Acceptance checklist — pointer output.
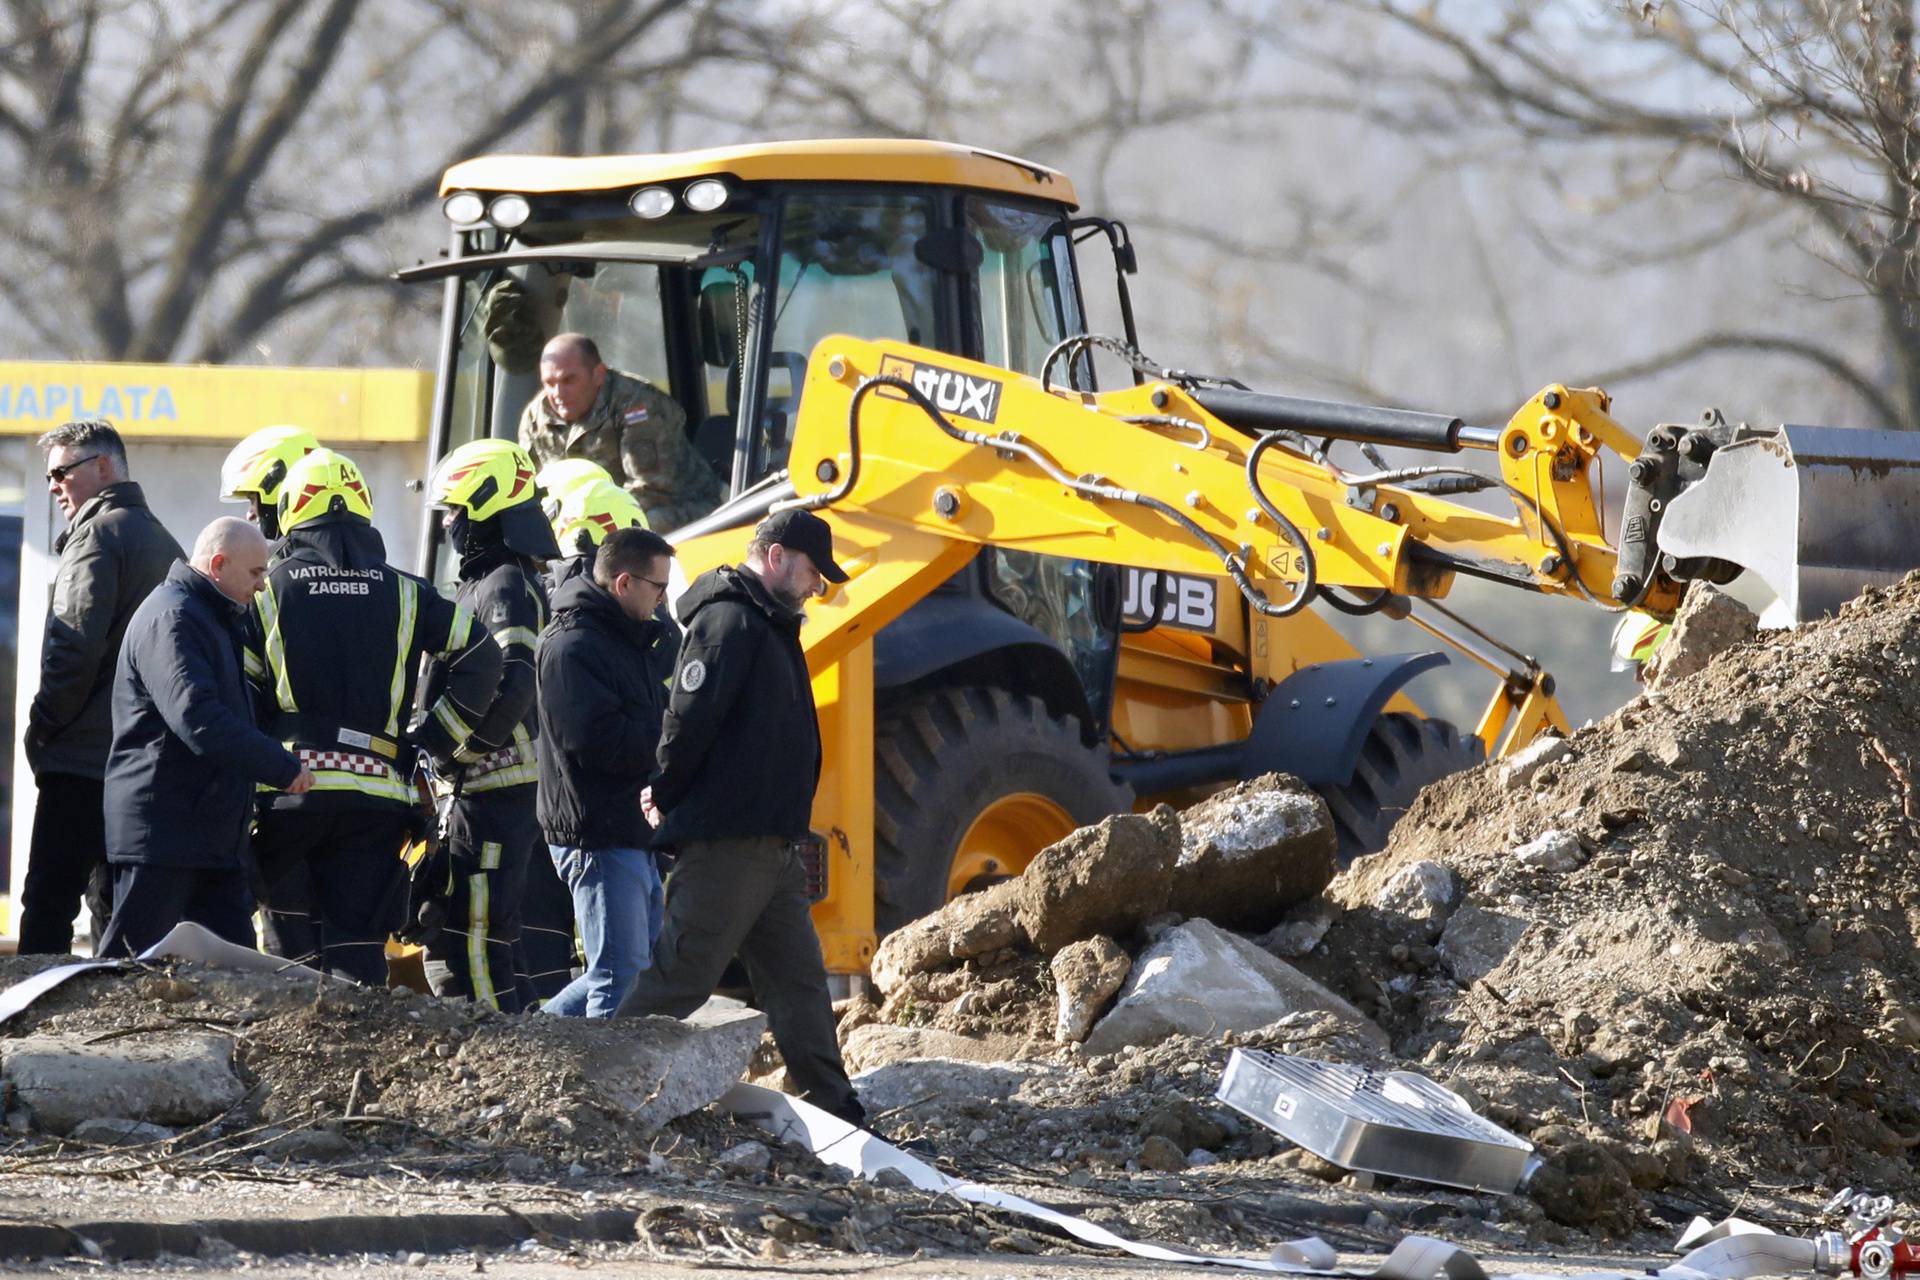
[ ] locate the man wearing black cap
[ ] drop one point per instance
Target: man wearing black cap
(739, 760)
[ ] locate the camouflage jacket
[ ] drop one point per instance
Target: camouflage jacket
(638, 433)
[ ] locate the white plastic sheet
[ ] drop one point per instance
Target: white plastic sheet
(185, 941)
(1732, 1250)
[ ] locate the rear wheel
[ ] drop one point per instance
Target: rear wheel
(968, 785)
(1402, 754)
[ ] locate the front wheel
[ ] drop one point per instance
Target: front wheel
(1402, 754)
(968, 785)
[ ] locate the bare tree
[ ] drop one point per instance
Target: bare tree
(196, 173)
(1663, 130)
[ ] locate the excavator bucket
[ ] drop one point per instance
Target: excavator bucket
(1817, 513)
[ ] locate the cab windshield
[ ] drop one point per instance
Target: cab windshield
(721, 316)
(873, 263)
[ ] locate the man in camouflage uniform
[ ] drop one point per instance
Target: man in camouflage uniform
(624, 423)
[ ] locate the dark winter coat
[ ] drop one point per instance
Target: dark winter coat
(740, 749)
(113, 553)
(601, 700)
(186, 755)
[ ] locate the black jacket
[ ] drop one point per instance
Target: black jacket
(186, 755)
(113, 553)
(601, 699)
(341, 634)
(740, 749)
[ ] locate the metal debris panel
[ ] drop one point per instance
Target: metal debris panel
(1394, 1123)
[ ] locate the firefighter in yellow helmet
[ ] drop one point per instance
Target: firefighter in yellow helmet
(564, 475)
(494, 523)
(583, 519)
(256, 467)
(1637, 637)
(341, 635)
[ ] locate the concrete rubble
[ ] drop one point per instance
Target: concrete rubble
(1201, 980)
(1709, 622)
(61, 1082)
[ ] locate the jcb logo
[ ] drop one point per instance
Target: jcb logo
(1170, 599)
(976, 398)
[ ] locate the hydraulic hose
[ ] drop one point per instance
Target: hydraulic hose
(1092, 488)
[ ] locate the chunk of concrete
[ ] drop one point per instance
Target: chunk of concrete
(168, 1078)
(974, 924)
(660, 1069)
(1424, 893)
(1477, 940)
(911, 1082)
(1103, 879)
(1200, 980)
(880, 1043)
(1253, 850)
(1551, 850)
(1300, 930)
(1517, 770)
(1085, 976)
(1707, 622)
(120, 1133)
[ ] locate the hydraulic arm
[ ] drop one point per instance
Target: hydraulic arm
(1205, 480)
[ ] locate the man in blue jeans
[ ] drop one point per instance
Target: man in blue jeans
(601, 701)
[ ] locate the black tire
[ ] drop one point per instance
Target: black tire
(1402, 754)
(941, 758)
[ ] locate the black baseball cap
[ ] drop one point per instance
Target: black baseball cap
(803, 531)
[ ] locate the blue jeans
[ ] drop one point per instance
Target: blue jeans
(618, 904)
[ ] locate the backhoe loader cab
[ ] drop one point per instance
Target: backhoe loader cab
(979, 699)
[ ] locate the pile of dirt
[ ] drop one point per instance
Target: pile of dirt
(355, 1073)
(1675, 951)
(1687, 933)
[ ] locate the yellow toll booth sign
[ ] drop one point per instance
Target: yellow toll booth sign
(216, 402)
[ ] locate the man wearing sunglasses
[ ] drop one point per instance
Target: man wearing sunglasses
(113, 553)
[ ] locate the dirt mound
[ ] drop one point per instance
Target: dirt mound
(1691, 934)
(1676, 951)
(376, 1072)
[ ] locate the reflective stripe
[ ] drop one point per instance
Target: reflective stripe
(489, 855)
(254, 665)
(276, 647)
(384, 788)
(449, 719)
(460, 635)
(518, 775)
(516, 635)
(403, 648)
(477, 905)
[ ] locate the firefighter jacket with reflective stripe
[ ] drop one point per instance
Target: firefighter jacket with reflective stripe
(509, 601)
(341, 635)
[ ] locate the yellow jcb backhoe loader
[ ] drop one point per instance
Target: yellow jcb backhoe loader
(1066, 600)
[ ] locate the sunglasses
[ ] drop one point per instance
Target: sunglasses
(59, 474)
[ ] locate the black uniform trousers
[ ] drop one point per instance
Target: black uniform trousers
(148, 901)
(356, 883)
(66, 864)
(490, 838)
(749, 897)
(286, 908)
(547, 951)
